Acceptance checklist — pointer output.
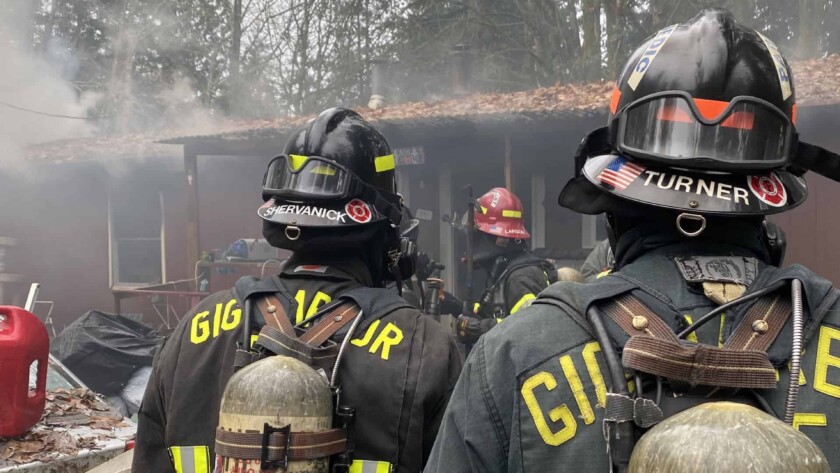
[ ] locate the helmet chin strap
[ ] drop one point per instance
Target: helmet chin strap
(818, 160)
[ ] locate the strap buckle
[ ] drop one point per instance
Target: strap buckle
(346, 417)
(265, 463)
(243, 357)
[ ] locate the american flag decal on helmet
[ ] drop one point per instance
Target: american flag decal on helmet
(312, 268)
(620, 173)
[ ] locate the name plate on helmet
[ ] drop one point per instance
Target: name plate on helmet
(696, 192)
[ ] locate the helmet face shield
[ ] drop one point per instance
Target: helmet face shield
(309, 177)
(673, 128)
(318, 192)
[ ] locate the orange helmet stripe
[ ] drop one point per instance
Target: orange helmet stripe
(616, 97)
(710, 109)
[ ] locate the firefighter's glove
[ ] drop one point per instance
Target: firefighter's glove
(424, 266)
(469, 328)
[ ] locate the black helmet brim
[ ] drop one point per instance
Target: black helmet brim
(609, 179)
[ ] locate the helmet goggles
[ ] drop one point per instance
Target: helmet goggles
(310, 177)
(315, 178)
(672, 127)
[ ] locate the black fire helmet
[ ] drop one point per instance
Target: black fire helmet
(333, 188)
(702, 120)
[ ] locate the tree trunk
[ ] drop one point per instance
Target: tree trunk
(303, 58)
(120, 93)
(744, 11)
(29, 8)
(236, 42)
(120, 85)
(614, 15)
(809, 28)
(591, 38)
(659, 14)
(571, 54)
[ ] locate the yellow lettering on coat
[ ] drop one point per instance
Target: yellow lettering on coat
(558, 414)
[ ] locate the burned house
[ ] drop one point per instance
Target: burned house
(129, 219)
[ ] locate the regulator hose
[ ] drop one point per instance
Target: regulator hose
(796, 355)
(621, 439)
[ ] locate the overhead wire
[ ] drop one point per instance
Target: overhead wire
(46, 114)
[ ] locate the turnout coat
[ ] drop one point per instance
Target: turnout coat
(398, 372)
(531, 395)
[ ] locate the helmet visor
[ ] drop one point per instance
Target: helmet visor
(307, 177)
(746, 133)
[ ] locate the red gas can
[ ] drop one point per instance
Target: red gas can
(23, 342)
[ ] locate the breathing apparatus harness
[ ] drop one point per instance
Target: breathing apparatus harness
(628, 414)
(498, 274)
(276, 446)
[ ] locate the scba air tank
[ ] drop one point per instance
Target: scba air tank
(278, 391)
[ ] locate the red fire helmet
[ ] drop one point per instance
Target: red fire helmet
(499, 213)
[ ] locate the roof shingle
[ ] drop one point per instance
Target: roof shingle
(817, 82)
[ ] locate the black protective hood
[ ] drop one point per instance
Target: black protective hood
(726, 235)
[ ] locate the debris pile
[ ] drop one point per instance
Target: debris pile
(73, 420)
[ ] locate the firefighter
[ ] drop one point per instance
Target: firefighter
(500, 248)
(698, 150)
(599, 261)
(331, 199)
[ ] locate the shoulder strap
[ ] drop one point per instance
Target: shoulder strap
(331, 323)
(313, 346)
(330, 320)
(761, 325)
(275, 315)
(635, 318)
(742, 363)
(550, 271)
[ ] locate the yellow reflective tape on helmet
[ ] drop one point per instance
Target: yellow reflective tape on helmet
(476, 307)
(525, 299)
(483, 209)
(511, 213)
(384, 163)
(323, 169)
(369, 466)
(296, 161)
(190, 459)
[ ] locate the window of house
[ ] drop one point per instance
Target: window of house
(135, 225)
(594, 230)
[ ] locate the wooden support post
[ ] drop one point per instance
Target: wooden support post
(193, 245)
(508, 165)
(537, 210)
(447, 235)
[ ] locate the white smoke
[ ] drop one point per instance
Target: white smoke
(31, 92)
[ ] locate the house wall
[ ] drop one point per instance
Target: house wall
(228, 198)
(814, 227)
(478, 160)
(59, 215)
